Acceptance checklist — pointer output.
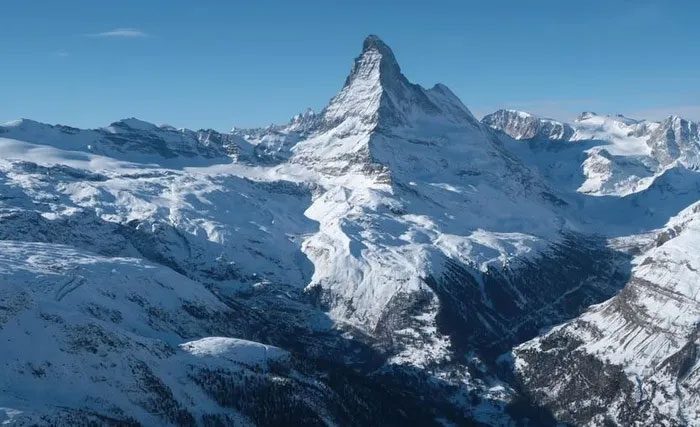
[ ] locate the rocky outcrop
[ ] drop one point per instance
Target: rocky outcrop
(633, 359)
(524, 126)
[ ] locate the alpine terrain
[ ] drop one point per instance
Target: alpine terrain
(389, 260)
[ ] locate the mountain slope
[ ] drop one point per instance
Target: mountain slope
(635, 356)
(404, 172)
(521, 125)
(135, 141)
(367, 264)
(621, 156)
(101, 340)
(113, 340)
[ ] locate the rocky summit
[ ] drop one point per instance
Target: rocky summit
(389, 260)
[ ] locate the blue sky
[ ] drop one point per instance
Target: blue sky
(216, 64)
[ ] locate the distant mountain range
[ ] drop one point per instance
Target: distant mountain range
(390, 260)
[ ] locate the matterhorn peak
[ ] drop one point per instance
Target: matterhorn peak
(376, 53)
(373, 73)
(377, 61)
(377, 93)
(373, 42)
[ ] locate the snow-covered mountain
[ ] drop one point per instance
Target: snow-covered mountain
(630, 360)
(525, 126)
(618, 155)
(372, 263)
(633, 359)
(135, 141)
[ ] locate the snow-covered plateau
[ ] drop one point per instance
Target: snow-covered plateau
(389, 260)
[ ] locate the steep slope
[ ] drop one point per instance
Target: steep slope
(521, 125)
(433, 239)
(99, 338)
(633, 359)
(367, 264)
(616, 155)
(675, 138)
(94, 340)
(404, 173)
(273, 144)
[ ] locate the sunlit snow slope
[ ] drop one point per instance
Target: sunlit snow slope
(372, 263)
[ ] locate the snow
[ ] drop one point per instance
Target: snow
(74, 324)
(525, 126)
(617, 132)
(521, 114)
(644, 328)
(360, 98)
(356, 254)
(120, 228)
(12, 149)
(233, 350)
(621, 156)
(134, 123)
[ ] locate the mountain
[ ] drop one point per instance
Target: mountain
(633, 359)
(399, 154)
(387, 260)
(133, 140)
(630, 360)
(521, 125)
(621, 156)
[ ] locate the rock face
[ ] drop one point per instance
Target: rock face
(633, 359)
(675, 138)
(523, 126)
(383, 261)
(135, 141)
(390, 155)
(621, 156)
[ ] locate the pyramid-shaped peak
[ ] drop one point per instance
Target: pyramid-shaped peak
(377, 93)
(373, 42)
(376, 55)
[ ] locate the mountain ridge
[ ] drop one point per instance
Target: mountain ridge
(387, 259)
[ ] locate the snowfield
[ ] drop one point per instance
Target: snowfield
(389, 259)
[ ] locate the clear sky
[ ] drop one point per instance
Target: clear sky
(216, 64)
